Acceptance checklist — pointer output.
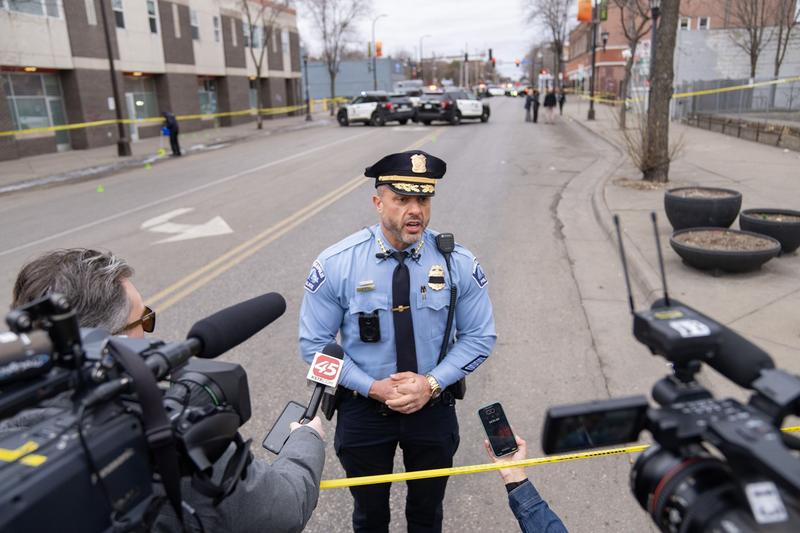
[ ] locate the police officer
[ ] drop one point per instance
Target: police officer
(386, 290)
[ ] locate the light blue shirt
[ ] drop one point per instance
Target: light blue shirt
(332, 303)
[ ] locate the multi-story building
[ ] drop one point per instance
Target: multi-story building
(185, 56)
(696, 17)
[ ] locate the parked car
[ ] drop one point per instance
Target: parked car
(494, 90)
(370, 107)
(451, 105)
(401, 108)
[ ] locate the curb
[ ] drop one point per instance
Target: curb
(640, 271)
(110, 169)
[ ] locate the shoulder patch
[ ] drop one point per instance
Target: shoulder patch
(478, 275)
(315, 278)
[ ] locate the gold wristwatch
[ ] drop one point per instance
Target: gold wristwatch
(436, 389)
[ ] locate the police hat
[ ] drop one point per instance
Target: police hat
(412, 173)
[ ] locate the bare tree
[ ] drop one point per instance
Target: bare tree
(553, 15)
(335, 22)
(752, 20)
(635, 19)
(260, 23)
(657, 152)
(788, 18)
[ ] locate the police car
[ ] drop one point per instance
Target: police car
(451, 105)
(370, 107)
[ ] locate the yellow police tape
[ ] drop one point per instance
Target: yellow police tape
(155, 120)
(702, 92)
(474, 469)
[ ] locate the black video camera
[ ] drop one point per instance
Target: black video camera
(715, 465)
(89, 441)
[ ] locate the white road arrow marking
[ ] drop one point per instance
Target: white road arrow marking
(183, 232)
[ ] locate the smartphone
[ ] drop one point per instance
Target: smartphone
(498, 430)
(279, 433)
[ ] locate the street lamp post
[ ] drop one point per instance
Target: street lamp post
(374, 55)
(123, 146)
(308, 100)
(590, 116)
(421, 61)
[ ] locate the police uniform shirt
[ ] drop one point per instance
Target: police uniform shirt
(347, 279)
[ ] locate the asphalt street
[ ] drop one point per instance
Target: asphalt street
(284, 199)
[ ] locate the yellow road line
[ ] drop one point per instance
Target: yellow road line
(179, 290)
(474, 469)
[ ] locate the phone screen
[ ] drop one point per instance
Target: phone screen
(279, 433)
(498, 430)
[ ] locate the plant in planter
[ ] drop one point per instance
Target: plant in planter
(782, 225)
(722, 249)
(696, 207)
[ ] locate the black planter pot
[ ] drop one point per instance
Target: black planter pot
(719, 212)
(725, 260)
(786, 233)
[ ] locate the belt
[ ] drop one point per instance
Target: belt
(384, 410)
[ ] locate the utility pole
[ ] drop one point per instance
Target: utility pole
(374, 54)
(590, 116)
(123, 146)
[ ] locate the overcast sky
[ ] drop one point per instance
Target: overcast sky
(451, 24)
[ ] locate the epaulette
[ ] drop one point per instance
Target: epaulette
(345, 244)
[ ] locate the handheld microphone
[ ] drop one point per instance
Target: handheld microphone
(325, 371)
(220, 332)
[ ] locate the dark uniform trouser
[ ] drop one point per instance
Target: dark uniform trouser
(365, 443)
(535, 113)
(173, 142)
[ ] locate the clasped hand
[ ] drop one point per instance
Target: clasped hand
(404, 392)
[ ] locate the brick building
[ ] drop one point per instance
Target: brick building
(186, 56)
(695, 16)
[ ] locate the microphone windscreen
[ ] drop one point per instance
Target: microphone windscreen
(232, 326)
(334, 350)
(739, 360)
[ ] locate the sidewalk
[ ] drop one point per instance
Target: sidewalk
(43, 170)
(761, 305)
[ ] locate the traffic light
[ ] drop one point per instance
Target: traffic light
(490, 56)
(494, 62)
(378, 49)
(516, 62)
(466, 57)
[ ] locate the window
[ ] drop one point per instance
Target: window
(233, 32)
(194, 25)
(245, 34)
(151, 16)
(91, 13)
(176, 21)
(216, 29)
(143, 96)
(685, 23)
(274, 36)
(207, 94)
(285, 40)
(253, 95)
(703, 23)
(43, 8)
(35, 101)
(119, 15)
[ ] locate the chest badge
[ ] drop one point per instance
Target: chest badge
(436, 277)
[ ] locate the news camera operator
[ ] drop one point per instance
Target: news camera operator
(277, 497)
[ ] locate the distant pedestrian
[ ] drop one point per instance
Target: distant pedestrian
(171, 123)
(550, 102)
(562, 99)
(535, 102)
(528, 105)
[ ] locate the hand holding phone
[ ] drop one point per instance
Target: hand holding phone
(279, 433)
(498, 430)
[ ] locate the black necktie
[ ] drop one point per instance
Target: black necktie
(403, 326)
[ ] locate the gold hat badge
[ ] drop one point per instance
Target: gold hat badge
(418, 164)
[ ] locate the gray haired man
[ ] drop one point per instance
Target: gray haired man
(277, 497)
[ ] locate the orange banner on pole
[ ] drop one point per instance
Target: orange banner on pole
(585, 10)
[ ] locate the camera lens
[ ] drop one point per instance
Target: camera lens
(672, 489)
